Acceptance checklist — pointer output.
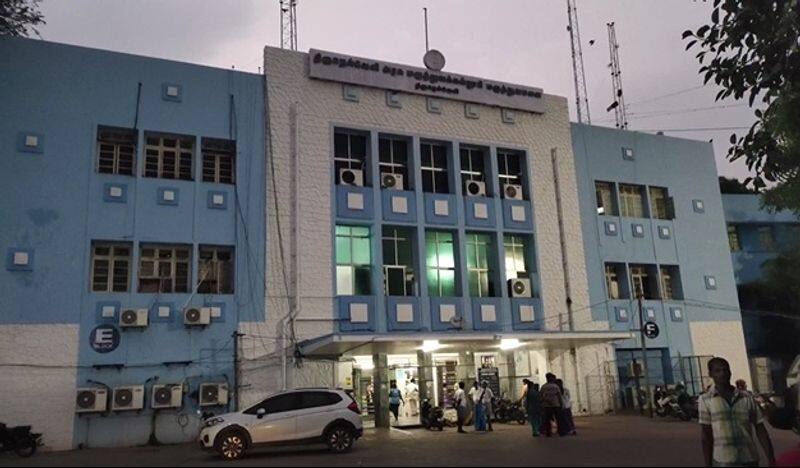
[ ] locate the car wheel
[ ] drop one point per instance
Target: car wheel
(339, 439)
(231, 445)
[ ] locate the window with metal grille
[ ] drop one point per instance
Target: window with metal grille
(516, 248)
(606, 204)
(472, 165)
(398, 263)
(479, 265)
(441, 264)
(393, 158)
(509, 167)
(219, 160)
(659, 203)
(616, 285)
(111, 265)
(165, 268)
(116, 150)
(670, 283)
(435, 178)
(631, 199)
(644, 280)
(733, 238)
(215, 270)
(349, 152)
(168, 156)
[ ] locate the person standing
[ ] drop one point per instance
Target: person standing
(395, 398)
(552, 405)
(460, 403)
(728, 420)
(474, 393)
(487, 396)
(412, 397)
(531, 400)
(566, 413)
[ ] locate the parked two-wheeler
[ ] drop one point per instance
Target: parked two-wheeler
(506, 411)
(667, 404)
(431, 417)
(19, 440)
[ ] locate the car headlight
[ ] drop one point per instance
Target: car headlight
(213, 422)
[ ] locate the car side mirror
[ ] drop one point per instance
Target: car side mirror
(261, 413)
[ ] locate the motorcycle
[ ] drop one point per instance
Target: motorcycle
(19, 440)
(431, 417)
(667, 404)
(506, 411)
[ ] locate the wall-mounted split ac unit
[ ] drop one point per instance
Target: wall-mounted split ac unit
(133, 318)
(91, 400)
(197, 316)
(519, 287)
(512, 191)
(213, 394)
(354, 177)
(129, 398)
(475, 188)
(392, 181)
(167, 396)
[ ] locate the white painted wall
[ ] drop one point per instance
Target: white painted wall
(723, 339)
(40, 392)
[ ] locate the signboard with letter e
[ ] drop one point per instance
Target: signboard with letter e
(104, 339)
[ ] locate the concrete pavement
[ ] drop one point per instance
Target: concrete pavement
(601, 441)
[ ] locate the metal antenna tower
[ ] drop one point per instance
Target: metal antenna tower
(581, 96)
(618, 105)
(288, 24)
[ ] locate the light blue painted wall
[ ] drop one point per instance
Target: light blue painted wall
(53, 204)
(746, 214)
(697, 245)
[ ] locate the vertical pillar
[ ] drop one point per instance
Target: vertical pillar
(381, 382)
(511, 369)
(425, 367)
(466, 368)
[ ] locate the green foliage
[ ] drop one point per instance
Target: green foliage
(752, 51)
(20, 17)
(734, 186)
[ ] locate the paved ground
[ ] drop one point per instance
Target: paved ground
(606, 441)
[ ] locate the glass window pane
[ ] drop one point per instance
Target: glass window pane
(342, 230)
(433, 282)
(442, 182)
(472, 256)
(362, 281)
(447, 280)
(404, 253)
(358, 146)
(384, 150)
(359, 231)
(361, 251)
(343, 254)
(344, 281)
(474, 284)
(446, 254)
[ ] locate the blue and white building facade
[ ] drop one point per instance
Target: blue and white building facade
(133, 236)
(394, 238)
(653, 221)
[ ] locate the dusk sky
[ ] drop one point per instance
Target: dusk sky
(523, 42)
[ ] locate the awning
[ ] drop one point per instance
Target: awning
(408, 343)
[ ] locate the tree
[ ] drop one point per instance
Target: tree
(20, 17)
(730, 185)
(751, 50)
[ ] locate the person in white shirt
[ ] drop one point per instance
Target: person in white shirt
(412, 398)
(487, 398)
(460, 403)
(566, 399)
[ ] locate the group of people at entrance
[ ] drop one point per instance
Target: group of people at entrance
(546, 407)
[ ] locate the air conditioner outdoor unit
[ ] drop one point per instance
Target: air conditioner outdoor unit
(392, 181)
(129, 398)
(354, 177)
(91, 400)
(519, 287)
(512, 191)
(475, 188)
(213, 394)
(167, 396)
(133, 318)
(197, 316)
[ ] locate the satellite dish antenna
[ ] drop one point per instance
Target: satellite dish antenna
(434, 60)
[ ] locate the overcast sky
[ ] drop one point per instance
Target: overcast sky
(519, 41)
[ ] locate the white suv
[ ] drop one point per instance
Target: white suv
(291, 417)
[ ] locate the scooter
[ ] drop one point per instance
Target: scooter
(666, 404)
(507, 411)
(19, 440)
(431, 417)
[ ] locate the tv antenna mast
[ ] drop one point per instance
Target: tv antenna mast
(581, 96)
(288, 24)
(618, 104)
